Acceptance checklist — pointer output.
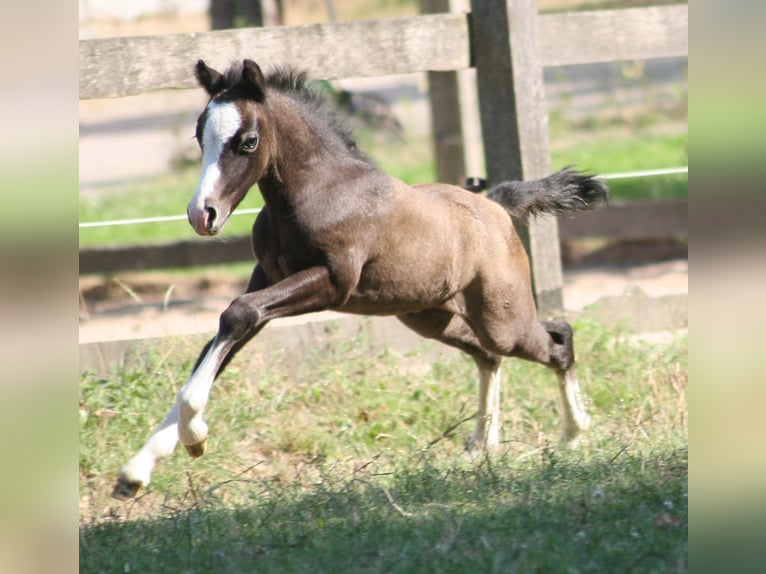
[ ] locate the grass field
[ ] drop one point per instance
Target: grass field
(351, 460)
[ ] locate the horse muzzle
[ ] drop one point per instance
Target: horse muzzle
(206, 221)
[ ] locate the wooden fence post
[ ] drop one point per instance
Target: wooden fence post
(514, 123)
(446, 124)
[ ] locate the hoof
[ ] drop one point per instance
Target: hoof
(572, 438)
(196, 450)
(572, 433)
(125, 489)
(476, 447)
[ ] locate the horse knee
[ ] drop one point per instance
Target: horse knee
(237, 320)
(561, 345)
(487, 361)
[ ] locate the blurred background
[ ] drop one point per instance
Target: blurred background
(137, 157)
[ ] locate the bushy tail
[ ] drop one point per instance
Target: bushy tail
(565, 190)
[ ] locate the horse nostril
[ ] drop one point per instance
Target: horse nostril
(210, 219)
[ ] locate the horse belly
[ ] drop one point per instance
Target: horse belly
(425, 255)
(383, 291)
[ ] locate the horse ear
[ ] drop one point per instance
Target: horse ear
(208, 78)
(252, 78)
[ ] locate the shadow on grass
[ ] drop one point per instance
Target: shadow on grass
(552, 512)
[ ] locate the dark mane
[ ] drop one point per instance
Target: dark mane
(289, 79)
(282, 78)
(296, 84)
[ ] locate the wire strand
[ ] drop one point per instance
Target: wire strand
(644, 173)
(167, 218)
(158, 219)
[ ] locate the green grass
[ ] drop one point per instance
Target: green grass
(350, 460)
(410, 159)
(167, 194)
(614, 153)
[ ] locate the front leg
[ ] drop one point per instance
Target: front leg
(194, 395)
(138, 471)
(303, 292)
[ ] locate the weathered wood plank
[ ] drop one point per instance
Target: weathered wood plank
(186, 253)
(514, 123)
(631, 220)
(116, 67)
(611, 35)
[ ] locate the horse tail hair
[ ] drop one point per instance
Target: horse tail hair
(562, 191)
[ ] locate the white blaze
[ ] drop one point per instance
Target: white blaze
(222, 123)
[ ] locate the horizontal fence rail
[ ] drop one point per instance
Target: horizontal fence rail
(629, 221)
(329, 51)
(166, 255)
(438, 42)
(610, 35)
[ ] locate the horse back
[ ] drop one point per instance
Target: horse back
(434, 241)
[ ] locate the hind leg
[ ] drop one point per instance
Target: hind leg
(552, 344)
(549, 343)
(455, 332)
(486, 433)
(574, 419)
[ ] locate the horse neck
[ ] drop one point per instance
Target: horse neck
(299, 147)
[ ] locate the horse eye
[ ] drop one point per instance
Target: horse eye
(249, 144)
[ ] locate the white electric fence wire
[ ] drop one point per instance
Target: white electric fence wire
(159, 219)
(644, 173)
(166, 218)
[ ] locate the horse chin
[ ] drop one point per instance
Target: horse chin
(200, 228)
(209, 231)
(215, 229)
(217, 225)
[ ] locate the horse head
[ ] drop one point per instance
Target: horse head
(233, 134)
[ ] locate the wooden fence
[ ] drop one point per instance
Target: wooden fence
(506, 41)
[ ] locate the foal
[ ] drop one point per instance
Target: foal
(337, 233)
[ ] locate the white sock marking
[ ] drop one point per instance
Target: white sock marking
(194, 395)
(183, 420)
(159, 445)
(574, 417)
(486, 434)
